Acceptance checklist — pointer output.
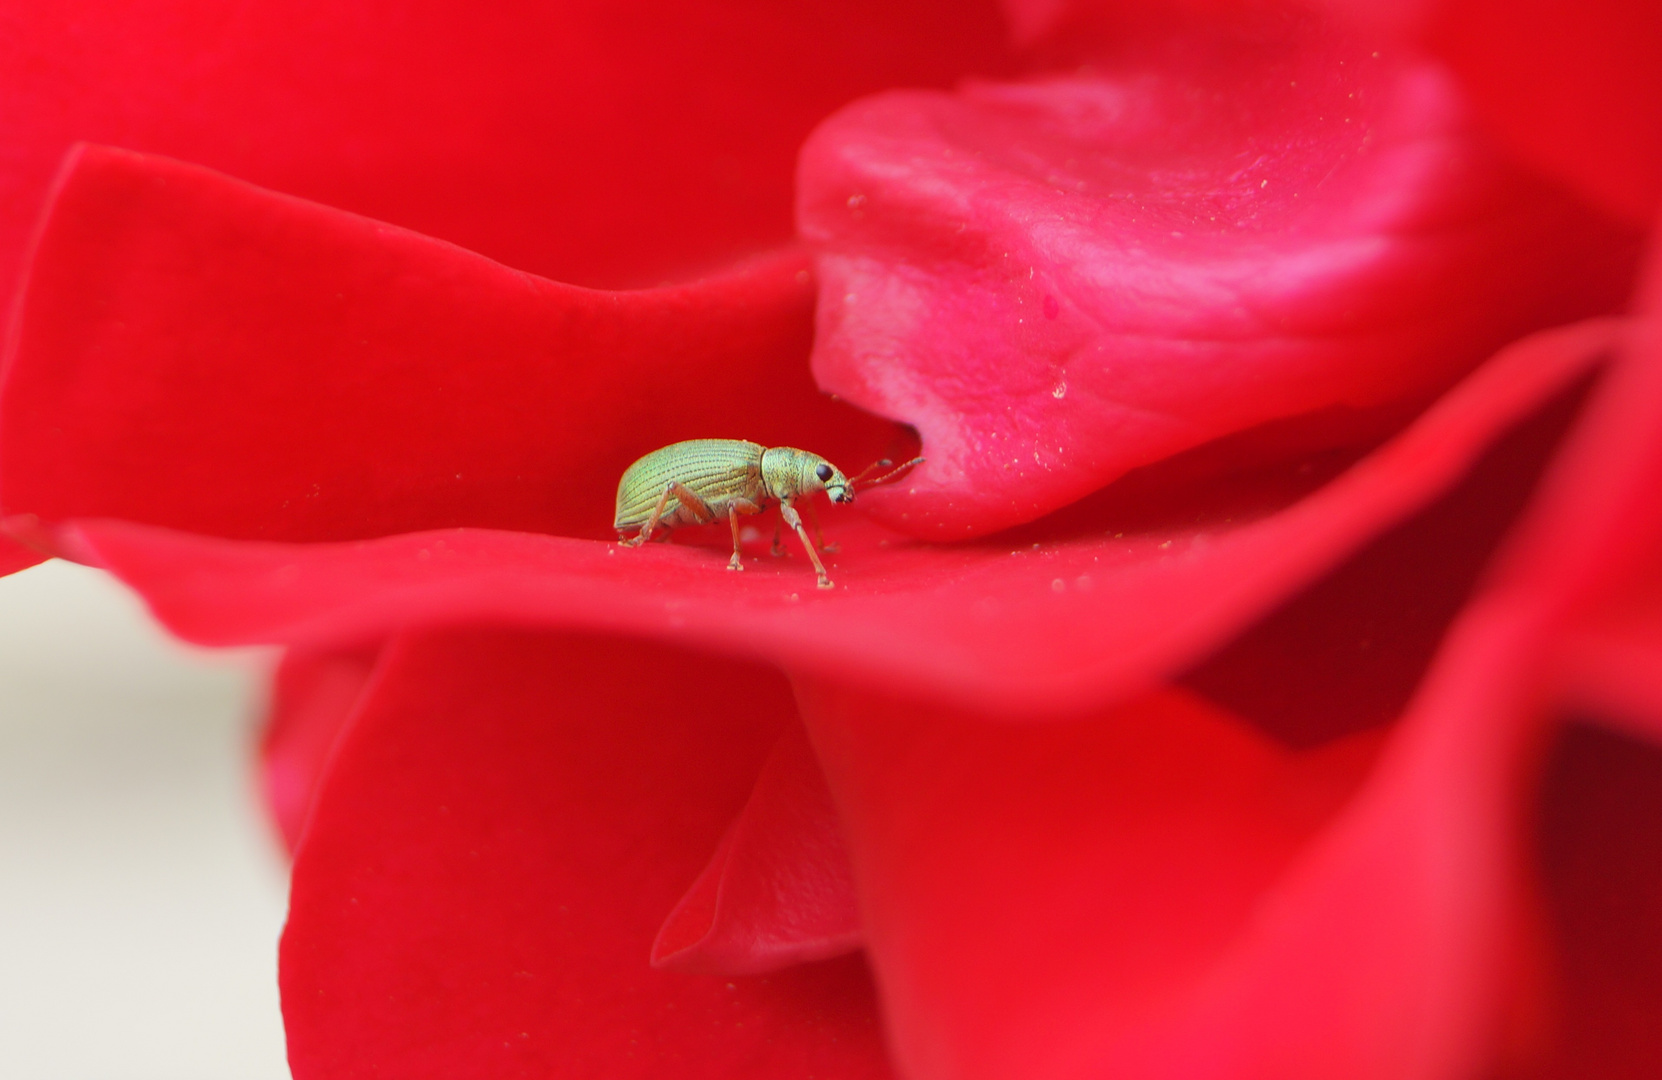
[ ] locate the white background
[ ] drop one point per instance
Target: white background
(141, 889)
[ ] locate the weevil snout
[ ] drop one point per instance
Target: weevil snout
(840, 494)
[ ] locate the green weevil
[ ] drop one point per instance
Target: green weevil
(703, 480)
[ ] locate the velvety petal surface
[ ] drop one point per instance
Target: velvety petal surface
(197, 352)
(597, 142)
(505, 827)
(1200, 227)
(1162, 568)
(1574, 88)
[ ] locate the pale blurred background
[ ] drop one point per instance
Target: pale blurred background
(141, 892)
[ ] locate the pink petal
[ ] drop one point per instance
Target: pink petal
(600, 142)
(314, 696)
(1060, 280)
(1574, 87)
(193, 351)
(503, 830)
(777, 891)
(1162, 569)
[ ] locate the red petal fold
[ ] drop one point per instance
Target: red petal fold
(777, 892)
(196, 352)
(1589, 557)
(1145, 580)
(313, 697)
(596, 141)
(1060, 280)
(504, 828)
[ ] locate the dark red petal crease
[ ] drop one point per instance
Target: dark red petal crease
(1614, 666)
(1142, 582)
(196, 352)
(504, 828)
(777, 891)
(1599, 839)
(595, 141)
(1201, 229)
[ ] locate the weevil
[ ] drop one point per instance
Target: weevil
(703, 480)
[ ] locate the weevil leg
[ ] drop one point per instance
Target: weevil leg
(794, 520)
(734, 509)
(778, 549)
(735, 563)
(697, 507)
(652, 522)
(819, 534)
(687, 497)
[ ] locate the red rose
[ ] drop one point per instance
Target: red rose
(1255, 682)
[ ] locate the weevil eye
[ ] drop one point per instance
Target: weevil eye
(823, 471)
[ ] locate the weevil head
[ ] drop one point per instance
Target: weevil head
(790, 473)
(834, 482)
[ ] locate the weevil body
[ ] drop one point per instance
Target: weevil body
(703, 480)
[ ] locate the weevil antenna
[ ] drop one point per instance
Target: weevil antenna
(890, 477)
(880, 463)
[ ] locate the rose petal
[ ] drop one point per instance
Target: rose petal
(1614, 665)
(1060, 280)
(313, 696)
(503, 830)
(1160, 891)
(196, 352)
(1600, 843)
(1588, 555)
(1573, 86)
(599, 142)
(15, 557)
(1364, 634)
(777, 892)
(1142, 583)
(1031, 888)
